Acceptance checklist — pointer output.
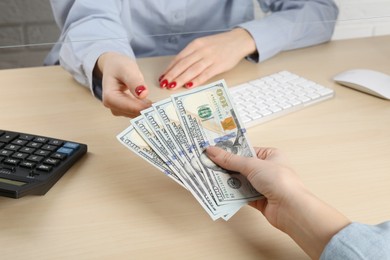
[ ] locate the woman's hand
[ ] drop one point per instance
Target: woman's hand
(124, 89)
(268, 174)
(288, 205)
(206, 57)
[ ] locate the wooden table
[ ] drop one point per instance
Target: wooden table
(113, 205)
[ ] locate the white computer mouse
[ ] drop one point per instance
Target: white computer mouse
(368, 81)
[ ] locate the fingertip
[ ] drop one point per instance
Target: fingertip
(213, 151)
(141, 91)
(172, 85)
(189, 85)
(161, 78)
(164, 83)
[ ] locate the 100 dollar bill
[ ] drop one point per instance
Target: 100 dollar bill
(208, 118)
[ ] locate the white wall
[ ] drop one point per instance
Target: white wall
(362, 18)
(26, 22)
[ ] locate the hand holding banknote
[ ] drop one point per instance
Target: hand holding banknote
(263, 173)
(173, 136)
(287, 204)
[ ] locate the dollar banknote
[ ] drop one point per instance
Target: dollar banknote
(173, 134)
(208, 118)
(133, 141)
(163, 119)
(144, 130)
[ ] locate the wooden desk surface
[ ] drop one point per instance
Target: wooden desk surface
(113, 205)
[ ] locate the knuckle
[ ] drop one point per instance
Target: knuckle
(227, 158)
(198, 43)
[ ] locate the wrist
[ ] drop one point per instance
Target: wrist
(99, 65)
(247, 43)
(310, 222)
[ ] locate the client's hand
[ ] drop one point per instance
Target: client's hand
(124, 89)
(288, 205)
(268, 174)
(206, 57)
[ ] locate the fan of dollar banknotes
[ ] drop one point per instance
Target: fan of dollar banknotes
(173, 134)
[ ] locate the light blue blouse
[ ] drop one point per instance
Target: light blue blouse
(359, 241)
(144, 28)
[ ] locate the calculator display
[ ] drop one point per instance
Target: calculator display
(17, 183)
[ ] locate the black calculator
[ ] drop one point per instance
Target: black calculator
(32, 164)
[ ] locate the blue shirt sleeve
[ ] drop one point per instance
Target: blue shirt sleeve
(155, 28)
(359, 241)
(89, 29)
(290, 25)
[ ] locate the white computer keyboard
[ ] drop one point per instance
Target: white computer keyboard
(269, 97)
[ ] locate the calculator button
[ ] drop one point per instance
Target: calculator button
(35, 158)
(11, 161)
(56, 142)
(71, 145)
(34, 145)
(51, 161)
(6, 153)
(26, 164)
(5, 171)
(12, 147)
(8, 137)
(64, 150)
(21, 156)
(26, 137)
(60, 156)
(45, 168)
(49, 147)
(28, 150)
(42, 153)
(20, 142)
(40, 140)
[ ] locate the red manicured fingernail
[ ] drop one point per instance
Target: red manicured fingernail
(189, 84)
(172, 84)
(164, 83)
(161, 77)
(140, 89)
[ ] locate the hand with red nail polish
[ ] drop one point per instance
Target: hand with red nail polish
(208, 56)
(139, 90)
(172, 85)
(163, 83)
(124, 89)
(189, 84)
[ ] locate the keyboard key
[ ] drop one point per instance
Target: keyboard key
(262, 99)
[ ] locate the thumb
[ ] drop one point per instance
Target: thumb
(228, 160)
(129, 74)
(137, 86)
